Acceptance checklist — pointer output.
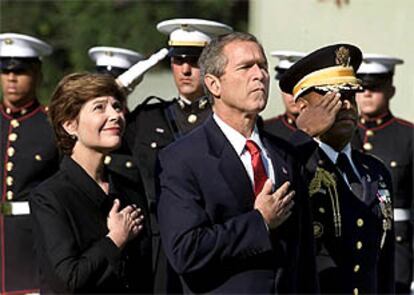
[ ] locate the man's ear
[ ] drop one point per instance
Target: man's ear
(391, 92)
(213, 84)
(71, 127)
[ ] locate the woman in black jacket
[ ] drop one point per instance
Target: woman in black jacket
(91, 235)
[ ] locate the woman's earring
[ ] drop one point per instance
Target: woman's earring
(74, 137)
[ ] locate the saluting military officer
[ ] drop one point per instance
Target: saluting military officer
(284, 125)
(350, 191)
(156, 122)
(115, 61)
(391, 139)
(28, 156)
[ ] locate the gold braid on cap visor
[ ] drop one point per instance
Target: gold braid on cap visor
(337, 75)
(188, 43)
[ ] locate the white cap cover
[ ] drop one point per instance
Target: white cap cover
(114, 57)
(378, 64)
(22, 46)
(191, 31)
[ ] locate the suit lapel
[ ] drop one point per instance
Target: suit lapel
(229, 163)
(280, 167)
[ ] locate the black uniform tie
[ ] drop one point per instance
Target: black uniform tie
(345, 167)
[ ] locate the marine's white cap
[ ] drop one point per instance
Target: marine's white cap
(378, 64)
(14, 45)
(191, 32)
(105, 56)
(286, 60)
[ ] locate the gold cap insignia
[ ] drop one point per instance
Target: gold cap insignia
(8, 41)
(109, 53)
(342, 56)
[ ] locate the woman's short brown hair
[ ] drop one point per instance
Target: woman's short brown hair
(72, 92)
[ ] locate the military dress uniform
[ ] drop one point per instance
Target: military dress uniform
(350, 192)
(28, 156)
(353, 233)
(283, 126)
(391, 139)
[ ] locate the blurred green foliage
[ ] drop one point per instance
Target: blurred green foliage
(73, 26)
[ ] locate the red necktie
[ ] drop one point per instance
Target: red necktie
(259, 171)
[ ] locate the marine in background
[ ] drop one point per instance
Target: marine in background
(28, 156)
(391, 139)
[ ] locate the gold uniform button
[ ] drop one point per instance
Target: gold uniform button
(398, 239)
(367, 146)
(8, 111)
(9, 180)
(23, 112)
(359, 245)
(192, 119)
(9, 195)
(357, 268)
(153, 145)
(370, 133)
(356, 291)
(360, 222)
(38, 157)
(363, 121)
(290, 121)
(393, 164)
(321, 210)
(14, 123)
(128, 164)
(13, 136)
(379, 121)
(107, 160)
(11, 151)
(9, 166)
(46, 108)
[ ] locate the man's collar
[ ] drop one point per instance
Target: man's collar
(332, 154)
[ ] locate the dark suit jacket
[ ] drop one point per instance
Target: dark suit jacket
(212, 235)
(353, 260)
(70, 223)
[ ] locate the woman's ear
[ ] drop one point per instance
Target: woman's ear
(71, 127)
(213, 84)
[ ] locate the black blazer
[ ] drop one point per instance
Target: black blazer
(212, 235)
(69, 216)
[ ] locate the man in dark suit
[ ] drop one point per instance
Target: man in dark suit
(232, 211)
(350, 191)
(157, 122)
(28, 156)
(392, 140)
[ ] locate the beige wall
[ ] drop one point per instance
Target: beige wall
(376, 26)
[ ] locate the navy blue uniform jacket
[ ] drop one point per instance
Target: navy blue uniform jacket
(211, 233)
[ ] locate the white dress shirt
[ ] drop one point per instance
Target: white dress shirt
(238, 141)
